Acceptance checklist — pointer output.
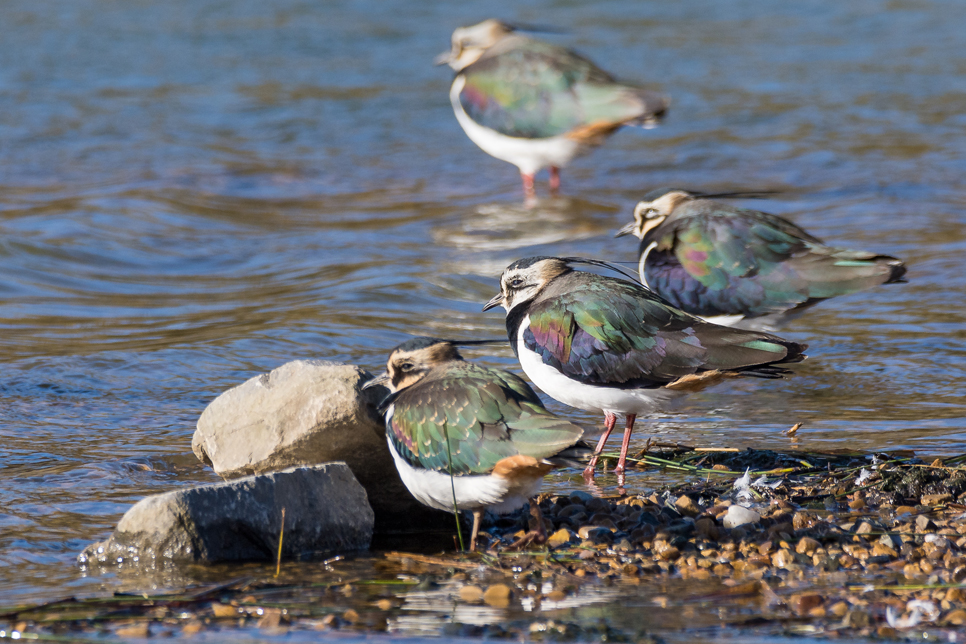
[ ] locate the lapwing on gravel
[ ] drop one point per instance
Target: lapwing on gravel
(537, 105)
(741, 267)
(457, 429)
(610, 345)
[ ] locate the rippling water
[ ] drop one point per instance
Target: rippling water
(193, 193)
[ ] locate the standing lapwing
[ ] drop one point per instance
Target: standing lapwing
(606, 344)
(534, 104)
(741, 267)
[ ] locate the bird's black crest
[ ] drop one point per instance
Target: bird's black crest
(421, 342)
(657, 193)
(527, 262)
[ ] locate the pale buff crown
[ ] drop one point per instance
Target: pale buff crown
(469, 43)
(650, 214)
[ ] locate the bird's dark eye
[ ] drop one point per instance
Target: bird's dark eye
(650, 213)
(516, 282)
(405, 366)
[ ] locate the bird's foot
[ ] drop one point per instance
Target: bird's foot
(589, 474)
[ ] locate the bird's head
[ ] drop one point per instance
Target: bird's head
(469, 43)
(651, 212)
(412, 360)
(524, 278)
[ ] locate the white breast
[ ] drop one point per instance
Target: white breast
(529, 155)
(584, 396)
(472, 492)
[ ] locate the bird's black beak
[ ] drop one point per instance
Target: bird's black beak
(381, 379)
(629, 229)
(443, 59)
(496, 300)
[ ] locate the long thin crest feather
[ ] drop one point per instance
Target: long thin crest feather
(604, 264)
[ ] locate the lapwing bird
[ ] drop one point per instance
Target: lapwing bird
(471, 436)
(534, 104)
(610, 345)
(741, 267)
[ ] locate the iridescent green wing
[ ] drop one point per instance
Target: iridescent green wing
(538, 90)
(613, 332)
(712, 259)
(487, 415)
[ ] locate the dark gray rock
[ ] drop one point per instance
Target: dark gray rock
(326, 511)
(307, 412)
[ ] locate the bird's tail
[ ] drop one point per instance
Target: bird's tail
(577, 455)
(653, 108)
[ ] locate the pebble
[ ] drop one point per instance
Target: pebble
(807, 545)
(686, 506)
(782, 558)
(560, 537)
(955, 617)
(739, 516)
(471, 594)
(497, 595)
(802, 603)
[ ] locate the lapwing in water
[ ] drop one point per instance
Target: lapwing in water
(534, 104)
(459, 432)
(741, 267)
(610, 345)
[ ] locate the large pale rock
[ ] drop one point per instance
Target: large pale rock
(307, 412)
(326, 511)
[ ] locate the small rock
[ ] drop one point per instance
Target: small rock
(956, 595)
(136, 631)
(384, 604)
(857, 504)
(350, 616)
(935, 499)
(856, 618)
(802, 520)
(782, 558)
(839, 609)
(905, 510)
(879, 549)
(686, 506)
(570, 510)
(272, 618)
(224, 610)
(955, 617)
(802, 603)
(669, 553)
(580, 496)
(706, 527)
(471, 594)
(864, 528)
(807, 545)
(886, 632)
(739, 516)
(924, 523)
(559, 538)
(497, 595)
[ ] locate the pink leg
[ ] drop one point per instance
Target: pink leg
(609, 421)
(528, 190)
(628, 428)
(554, 179)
